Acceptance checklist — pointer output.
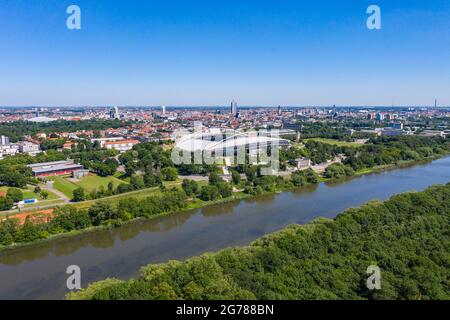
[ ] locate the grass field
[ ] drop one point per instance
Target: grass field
(335, 142)
(89, 183)
(65, 186)
(29, 194)
(138, 194)
(92, 182)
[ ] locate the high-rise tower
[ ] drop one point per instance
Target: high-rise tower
(114, 113)
(234, 108)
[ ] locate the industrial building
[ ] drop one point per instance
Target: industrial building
(53, 168)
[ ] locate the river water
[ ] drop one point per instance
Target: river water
(38, 271)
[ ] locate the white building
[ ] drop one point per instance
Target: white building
(29, 148)
(226, 142)
(8, 150)
(4, 140)
(303, 163)
(102, 141)
(121, 145)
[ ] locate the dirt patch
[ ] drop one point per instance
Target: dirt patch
(39, 216)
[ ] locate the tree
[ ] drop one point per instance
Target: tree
(225, 189)
(338, 170)
(236, 177)
(298, 179)
(5, 203)
(214, 179)
(250, 173)
(44, 194)
(37, 189)
(101, 212)
(151, 180)
(191, 187)
(169, 174)
(209, 193)
(78, 195)
(111, 187)
(15, 194)
(137, 181)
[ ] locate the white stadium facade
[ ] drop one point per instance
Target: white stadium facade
(228, 142)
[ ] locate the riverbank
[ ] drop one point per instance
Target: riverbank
(197, 204)
(295, 262)
(38, 271)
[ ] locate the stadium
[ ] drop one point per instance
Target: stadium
(217, 141)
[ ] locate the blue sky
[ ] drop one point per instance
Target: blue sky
(208, 52)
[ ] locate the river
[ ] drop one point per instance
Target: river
(38, 271)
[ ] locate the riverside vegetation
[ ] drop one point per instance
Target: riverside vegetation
(407, 236)
(68, 219)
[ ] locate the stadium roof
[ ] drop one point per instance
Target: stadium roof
(214, 140)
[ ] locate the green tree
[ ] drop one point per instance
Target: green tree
(78, 195)
(137, 181)
(209, 193)
(169, 174)
(101, 212)
(44, 194)
(236, 177)
(6, 203)
(191, 187)
(15, 194)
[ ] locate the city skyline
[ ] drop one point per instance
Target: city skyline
(206, 54)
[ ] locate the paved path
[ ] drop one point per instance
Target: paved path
(49, 187)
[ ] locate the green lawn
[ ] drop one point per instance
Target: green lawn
(138, 194)
(92, 182)
(29, 194)
(89, 183)
(335, 142)
(65, 186)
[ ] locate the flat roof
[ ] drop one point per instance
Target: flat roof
(57, 168)
(52, 163)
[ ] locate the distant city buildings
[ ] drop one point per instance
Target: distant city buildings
(41, 119)
(157, 124)
(114, 113)
(29, 148)
(234, 108)
(4, 140)
(10, 149)
(121, 145)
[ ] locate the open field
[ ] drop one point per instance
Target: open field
(93, 182)
(64, 185)
(67, 185)
(138, 194)
(29, 194)
(335, 142)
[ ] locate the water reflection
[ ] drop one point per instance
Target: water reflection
(119, 252)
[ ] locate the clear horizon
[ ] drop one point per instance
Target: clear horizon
(206, 53)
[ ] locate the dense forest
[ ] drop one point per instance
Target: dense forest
(407, 237)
